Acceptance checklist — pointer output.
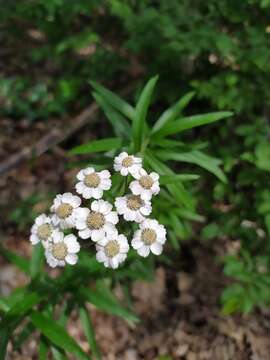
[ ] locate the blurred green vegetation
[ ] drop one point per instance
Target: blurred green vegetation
(219, 48)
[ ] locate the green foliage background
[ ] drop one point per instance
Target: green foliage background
(217, 48)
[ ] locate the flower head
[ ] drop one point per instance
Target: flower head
(112, 250)
(63, 249)
(42, 230)
(63, 208)
(145, 184)
(150, 237)
(133, 207)
(92, 184)
(97, 221)
(127, 164)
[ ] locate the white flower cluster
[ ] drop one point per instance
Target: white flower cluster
(98, 222)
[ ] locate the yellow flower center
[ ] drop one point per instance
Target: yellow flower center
(146, 182)
(44, 231)
(95, 220)
(112, 248)
(134, 202)
(149, 236)
(128, 161)
(59, 251)
(92, 180)
(64, 210)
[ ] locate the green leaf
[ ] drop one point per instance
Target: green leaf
(19, 261)
(177, 189)
(189, 215)
(89, 331)
(190, 122)
(178, 227)
(97, 146)
(58, 354)
(23, 335)
(4, 304)
(141, 111)
(195, 157)
(57, 335)
(119, 123)
(4, 336)
(36, 260)
(114, 100)
(173, 112)
(22, 305)
(172, 179)
(104, 300)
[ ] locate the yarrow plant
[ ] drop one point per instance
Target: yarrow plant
(97, 222)
(122, 216)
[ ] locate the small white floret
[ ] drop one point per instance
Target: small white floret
(151, 236)
(127, 164)
(92, 184)
(97, 221)
(133, 207)
(63, 209)
(146, 185)
(42, 230)
(63, 249)
(112, 250)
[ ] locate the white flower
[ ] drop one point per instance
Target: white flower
(42, 230)
(133, 207)
(63, 208)
(112, 250)
(92, 183)
(97, 222)
(145, 184)
(63, 249)
(150, 237)
(127, 164)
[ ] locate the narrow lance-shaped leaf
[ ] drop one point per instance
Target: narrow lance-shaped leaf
(4, 336)
(142, 106)
(177, 189)
(195, 157)
(190, 122)
(57, 335)
(103, 299)
(119, 123)
(173, 112)
(89, 331)
(43, 348)
(171, 179)
(19, 261)
(36, 260)
(97, 146)
(114, 100)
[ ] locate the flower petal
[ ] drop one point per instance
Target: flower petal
(100, 256)
(72, 244)
(143, 251)
(156, 248)
(85, 234)
(97, 193)
(97, 235)
(71, 259)
(112, 217)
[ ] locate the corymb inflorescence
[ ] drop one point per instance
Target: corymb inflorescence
(97, 220)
